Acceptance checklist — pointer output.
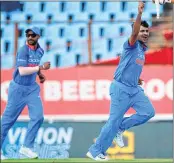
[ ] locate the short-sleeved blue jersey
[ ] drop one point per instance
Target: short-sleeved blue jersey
(131, 63)
(27, 57)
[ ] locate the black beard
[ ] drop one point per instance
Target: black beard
(34, 42)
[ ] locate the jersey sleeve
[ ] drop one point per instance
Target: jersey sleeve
(42, 51)
(21, 58)
(42, 56)
(126, 45)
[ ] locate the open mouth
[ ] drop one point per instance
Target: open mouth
(30, 41)
(145, 37)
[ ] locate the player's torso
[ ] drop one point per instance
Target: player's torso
(136, 62)
(130, 66)
(33, 59)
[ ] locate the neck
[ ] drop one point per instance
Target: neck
(33, 47)
(142, 43)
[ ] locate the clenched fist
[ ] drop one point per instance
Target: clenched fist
(42, 77)
(140, 7)
(45, 66)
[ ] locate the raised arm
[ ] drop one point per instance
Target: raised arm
(136, 25)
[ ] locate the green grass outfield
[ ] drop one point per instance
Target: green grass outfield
(78, 160)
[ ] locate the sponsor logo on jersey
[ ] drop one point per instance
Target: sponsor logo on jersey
(34, 60)
(21, 60)
(140, 62)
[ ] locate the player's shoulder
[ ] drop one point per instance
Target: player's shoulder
(127, 45)
(41, 50)
(22, 51)
(23, 48)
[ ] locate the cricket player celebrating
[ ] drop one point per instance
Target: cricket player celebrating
(125, 92)
(24, 90)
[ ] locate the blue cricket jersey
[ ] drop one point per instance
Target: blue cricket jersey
(27, 57)
(131, 63)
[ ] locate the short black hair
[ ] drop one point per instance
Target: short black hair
(143, 23)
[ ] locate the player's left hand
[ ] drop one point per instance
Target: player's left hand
(42, 78)
(140, 82)
(161, 2)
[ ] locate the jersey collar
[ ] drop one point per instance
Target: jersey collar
(32, 46)
(143, 46)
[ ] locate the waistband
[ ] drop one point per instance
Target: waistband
(27, 86)
(130, 90)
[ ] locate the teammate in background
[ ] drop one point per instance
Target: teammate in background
(125, 92)
(23, 90)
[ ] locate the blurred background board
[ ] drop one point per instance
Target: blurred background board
(72, 140)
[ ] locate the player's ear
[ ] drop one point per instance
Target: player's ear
(38, 36)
